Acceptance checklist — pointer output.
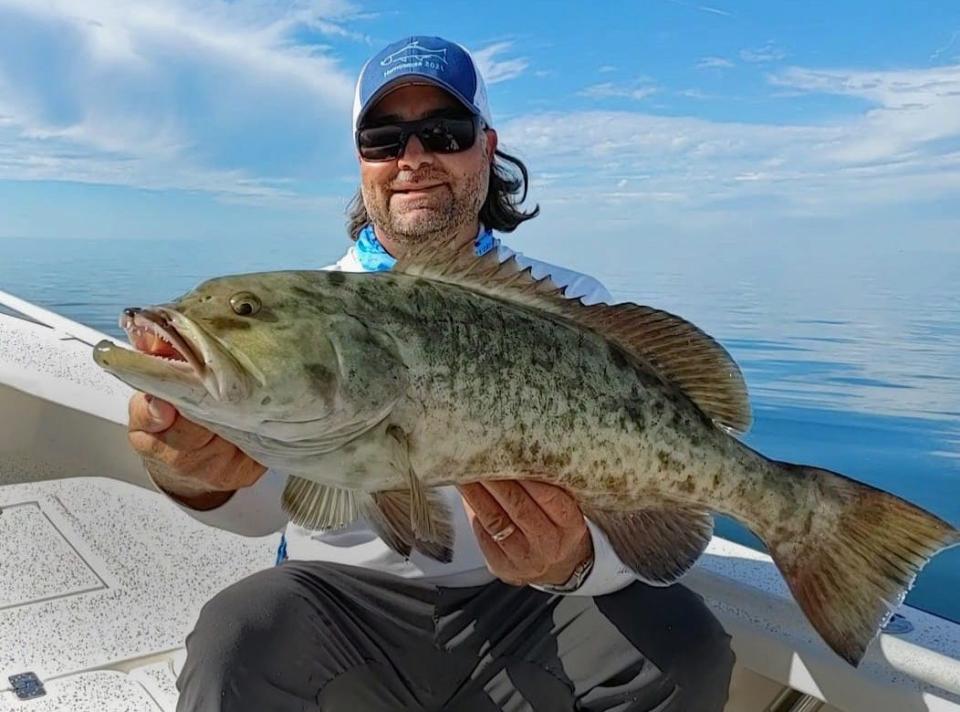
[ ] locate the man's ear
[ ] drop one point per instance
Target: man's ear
(491, 144)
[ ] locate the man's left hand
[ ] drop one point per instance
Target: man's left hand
(529, 532)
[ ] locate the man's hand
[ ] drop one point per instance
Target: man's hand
(187, 461)
(529, 532)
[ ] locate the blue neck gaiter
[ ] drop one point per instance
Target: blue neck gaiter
(374, 258)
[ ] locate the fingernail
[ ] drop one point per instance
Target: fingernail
(156, 409)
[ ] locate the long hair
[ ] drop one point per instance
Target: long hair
(500, 211)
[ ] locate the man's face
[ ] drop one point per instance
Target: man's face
(422, 195)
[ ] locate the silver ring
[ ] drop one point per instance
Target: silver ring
(504, 533)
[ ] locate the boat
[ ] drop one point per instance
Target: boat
(101, 578)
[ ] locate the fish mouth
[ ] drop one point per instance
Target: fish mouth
(172, 356)
(152, 332)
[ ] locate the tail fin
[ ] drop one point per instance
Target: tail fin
(857, 557)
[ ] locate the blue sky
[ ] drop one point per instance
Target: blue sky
(755, 121)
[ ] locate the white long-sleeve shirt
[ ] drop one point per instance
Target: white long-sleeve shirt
(256, 510)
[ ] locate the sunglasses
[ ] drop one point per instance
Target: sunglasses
(438, 134)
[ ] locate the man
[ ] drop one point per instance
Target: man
(535, 612)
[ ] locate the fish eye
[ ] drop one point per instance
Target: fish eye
(245, 303)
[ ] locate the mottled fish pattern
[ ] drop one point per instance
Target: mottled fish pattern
(374, 389)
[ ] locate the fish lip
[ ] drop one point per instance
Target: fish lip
(160, 321)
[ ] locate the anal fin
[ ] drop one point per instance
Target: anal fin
(659, 545)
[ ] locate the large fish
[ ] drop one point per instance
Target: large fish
(374, 389)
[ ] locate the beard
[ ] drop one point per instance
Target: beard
(438, 214)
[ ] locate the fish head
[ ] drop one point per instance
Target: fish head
(274, 353)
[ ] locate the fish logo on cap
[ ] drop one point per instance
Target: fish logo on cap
(414, 51)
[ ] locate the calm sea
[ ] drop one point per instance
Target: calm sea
(852, 356)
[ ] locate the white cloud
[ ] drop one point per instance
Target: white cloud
(951, 44)
(714, 10)
(763, 55)
(676, 154)
(902, 149)
(668, 209)
(714, 63)
(911, 110)
(498, 70)
(606, 68)
(608, 90)
(703, 8)
(165, 94)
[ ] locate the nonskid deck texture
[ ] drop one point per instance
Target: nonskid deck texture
(100, 574)
(101, 581)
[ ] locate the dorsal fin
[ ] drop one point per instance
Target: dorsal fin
(682, 354)
(676, 350)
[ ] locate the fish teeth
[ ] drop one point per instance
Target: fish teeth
(138, 332)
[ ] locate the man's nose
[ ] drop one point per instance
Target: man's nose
(414, 155)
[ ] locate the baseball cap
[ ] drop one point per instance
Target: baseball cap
(421, 60)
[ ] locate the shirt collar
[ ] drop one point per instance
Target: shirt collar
(373, 257)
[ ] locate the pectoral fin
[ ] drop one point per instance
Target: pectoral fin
(413, 517)
(429, 516)
(660, 545)
(318, 506)
(406, 519)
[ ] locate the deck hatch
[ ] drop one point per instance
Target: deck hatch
(38, 560)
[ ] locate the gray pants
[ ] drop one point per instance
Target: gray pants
(311, 636)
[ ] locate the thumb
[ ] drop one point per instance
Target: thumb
(160, 415)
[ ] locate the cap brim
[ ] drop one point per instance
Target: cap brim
(413, 79)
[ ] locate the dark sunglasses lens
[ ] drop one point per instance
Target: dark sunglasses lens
(448, 135)
(438, 135)
(378, 143)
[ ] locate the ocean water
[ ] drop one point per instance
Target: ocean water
(851, 355)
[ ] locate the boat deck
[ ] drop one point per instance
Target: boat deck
(100, 582)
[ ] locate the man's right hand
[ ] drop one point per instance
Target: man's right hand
(188, 462)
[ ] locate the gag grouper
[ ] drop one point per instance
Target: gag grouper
(373, 389)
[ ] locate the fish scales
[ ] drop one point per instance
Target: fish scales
(373, 390)
(544, 398)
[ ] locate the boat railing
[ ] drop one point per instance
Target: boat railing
(64, 327)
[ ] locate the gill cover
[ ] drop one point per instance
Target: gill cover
(354, 386)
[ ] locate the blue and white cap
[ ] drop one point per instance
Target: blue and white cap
(421, 60)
